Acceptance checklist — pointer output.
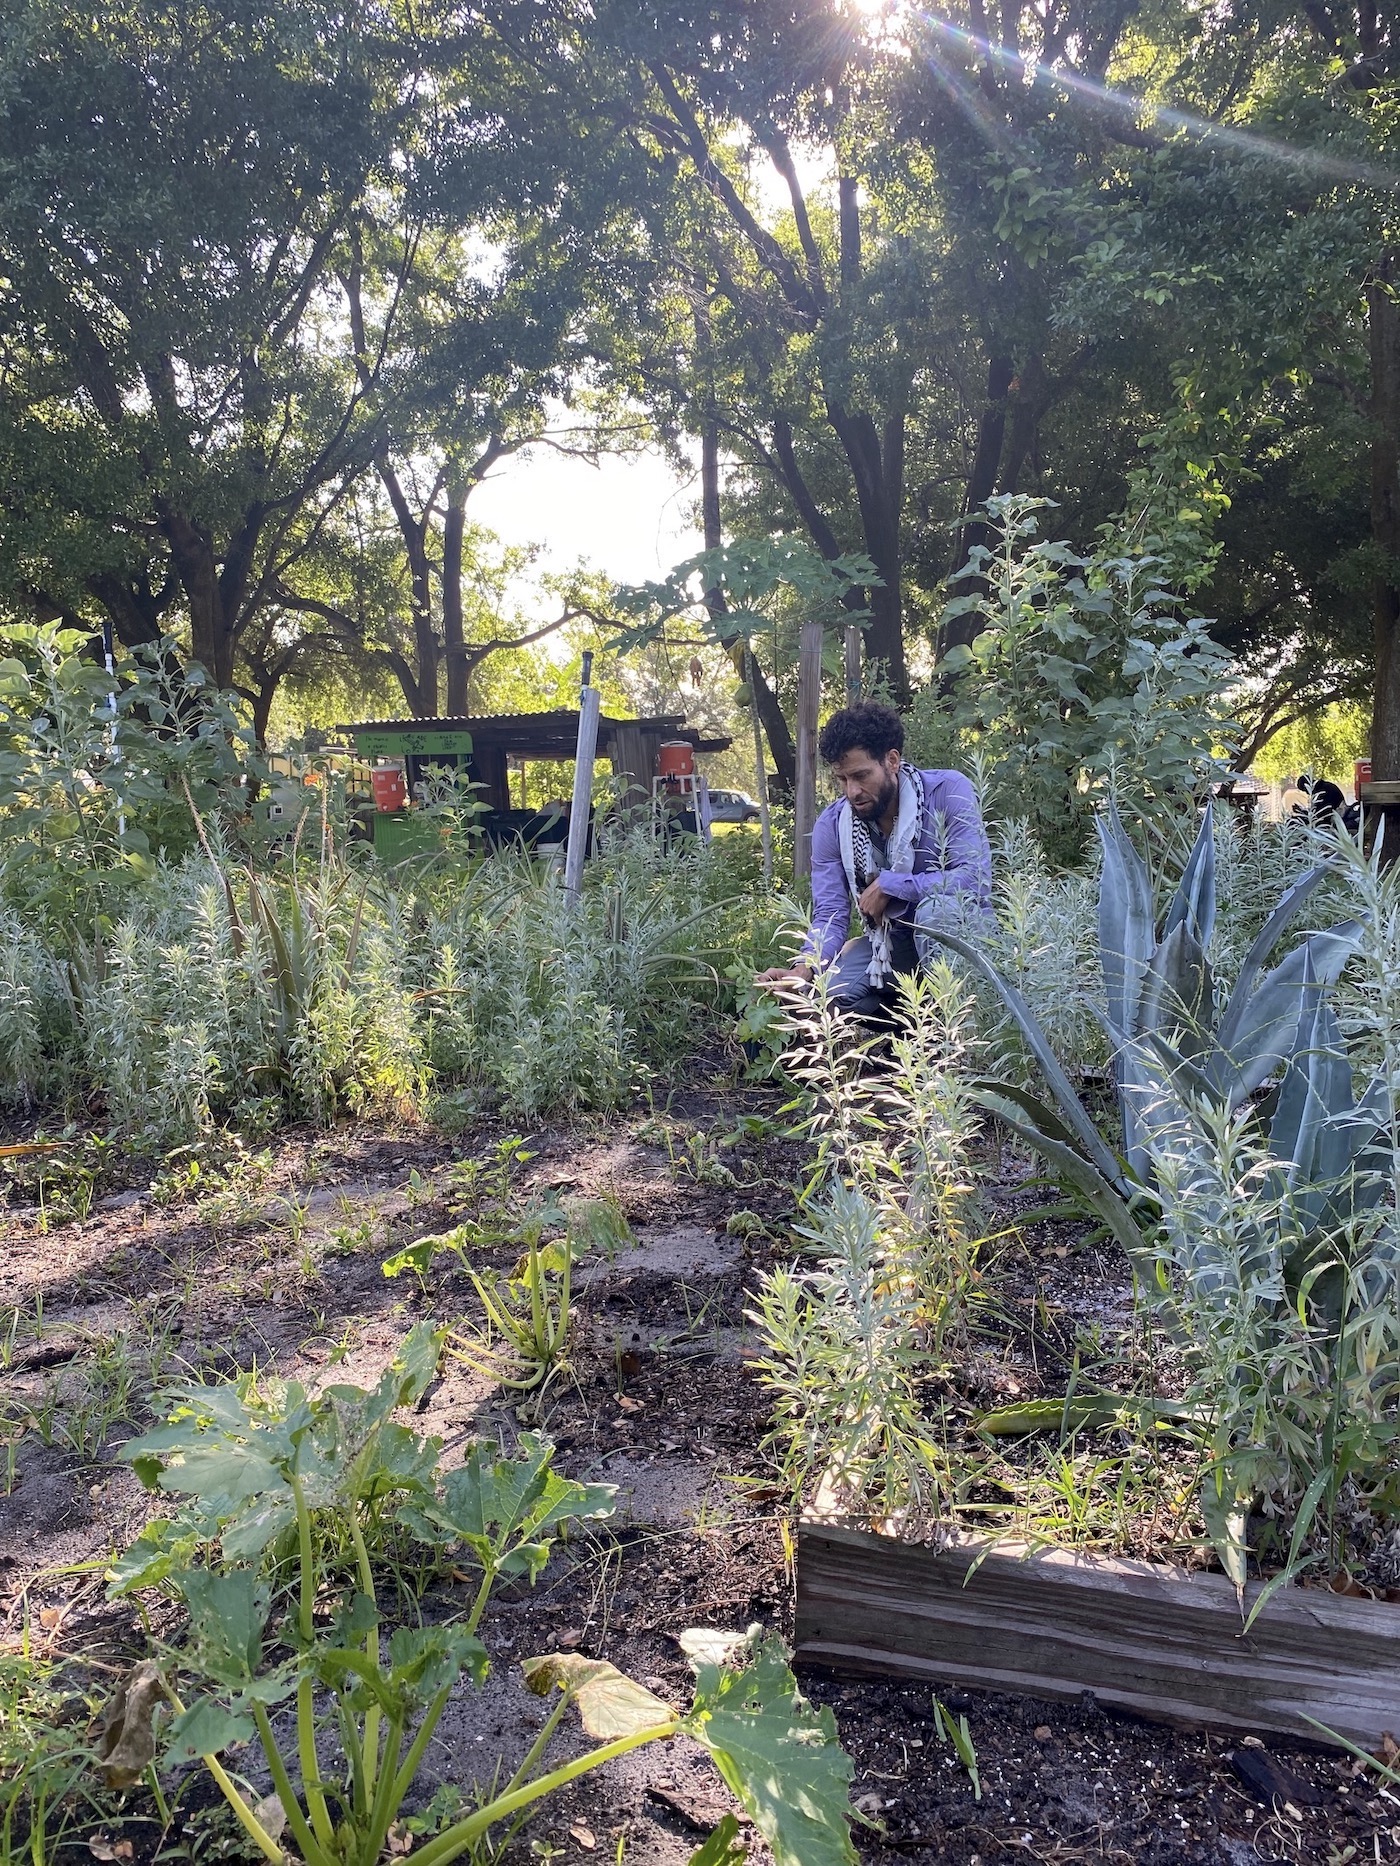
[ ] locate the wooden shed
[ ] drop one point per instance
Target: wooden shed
(485, 745)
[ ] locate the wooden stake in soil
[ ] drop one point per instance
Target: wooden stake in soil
(809, 693)
(1141, 1636)
(581, 809)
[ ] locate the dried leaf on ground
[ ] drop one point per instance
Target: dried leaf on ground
(127, 1745)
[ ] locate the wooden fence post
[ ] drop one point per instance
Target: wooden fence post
(809, 693)
(581, 809)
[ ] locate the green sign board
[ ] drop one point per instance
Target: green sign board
(412, 744)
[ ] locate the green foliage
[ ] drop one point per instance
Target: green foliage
(954, 1731)
(1083, 673)
(1043, 945)
(44, 1757)
(851, 1341)
(221, 994)
(753, 576)
(1261, 1230)
(100, 773)
(275, 1478)
(555, 1005)
(1326, 743)
(1169, 1031)
(778, 1756)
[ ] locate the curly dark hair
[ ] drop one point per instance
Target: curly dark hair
(867, 726)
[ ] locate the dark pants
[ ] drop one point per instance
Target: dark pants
(852, 990)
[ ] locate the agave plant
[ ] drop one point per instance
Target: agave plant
(1176, 1047)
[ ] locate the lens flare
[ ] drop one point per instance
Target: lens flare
(1140, 110)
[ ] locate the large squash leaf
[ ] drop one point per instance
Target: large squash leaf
(779, 1755)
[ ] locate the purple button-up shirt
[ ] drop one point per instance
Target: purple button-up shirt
(952, 858)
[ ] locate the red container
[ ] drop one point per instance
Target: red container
(675, 758)
(387, 784)
(1361, 774)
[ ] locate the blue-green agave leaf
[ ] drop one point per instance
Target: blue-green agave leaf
(1258, 1031)
(1193, 904)
(1126, 937)
(1177, 989)
(1273, 928)
(1073, 1111)
(1099, 1193)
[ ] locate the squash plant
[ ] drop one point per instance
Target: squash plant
(286, 1495)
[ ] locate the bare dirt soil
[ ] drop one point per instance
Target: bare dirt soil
(279, 1265)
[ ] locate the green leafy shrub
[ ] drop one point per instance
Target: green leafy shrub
(279, 1484)
(100, 774)
(219, 989)
(1084, 672)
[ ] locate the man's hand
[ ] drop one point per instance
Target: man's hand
(785, 975)
(874, 902)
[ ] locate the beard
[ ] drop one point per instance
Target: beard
(872, 812)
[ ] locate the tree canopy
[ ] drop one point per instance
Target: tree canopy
(279, 286)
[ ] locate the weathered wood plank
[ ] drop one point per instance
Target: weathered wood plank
(809, 695)
(1054, 1624)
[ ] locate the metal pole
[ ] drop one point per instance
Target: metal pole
(809, 693)
(580, 810)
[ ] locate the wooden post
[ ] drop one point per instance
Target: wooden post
(630, 750)
(581, 810)
(760, 766)
(852, 663)
(809, 693)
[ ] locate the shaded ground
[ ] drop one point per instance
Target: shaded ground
(278, 1261)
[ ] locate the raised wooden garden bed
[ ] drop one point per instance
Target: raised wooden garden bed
(1054, 1624)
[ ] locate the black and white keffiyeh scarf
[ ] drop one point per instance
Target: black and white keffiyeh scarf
(858, 859)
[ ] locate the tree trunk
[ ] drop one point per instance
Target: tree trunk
(877, 468)
(135, 609)
(424, 639)
(962, 630)
(1385, 518)
(453, 639)
(211, 643)
(809, 695)
(422, 691)
(264, 693)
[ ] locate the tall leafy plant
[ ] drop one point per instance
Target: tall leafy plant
(100, 772)
(1083, 671)
(286, 1496)
(889, 1278)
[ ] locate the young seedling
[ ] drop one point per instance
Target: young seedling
(529, 1312)
(954, 1730)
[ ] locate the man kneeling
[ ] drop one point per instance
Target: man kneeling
(906, 846)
